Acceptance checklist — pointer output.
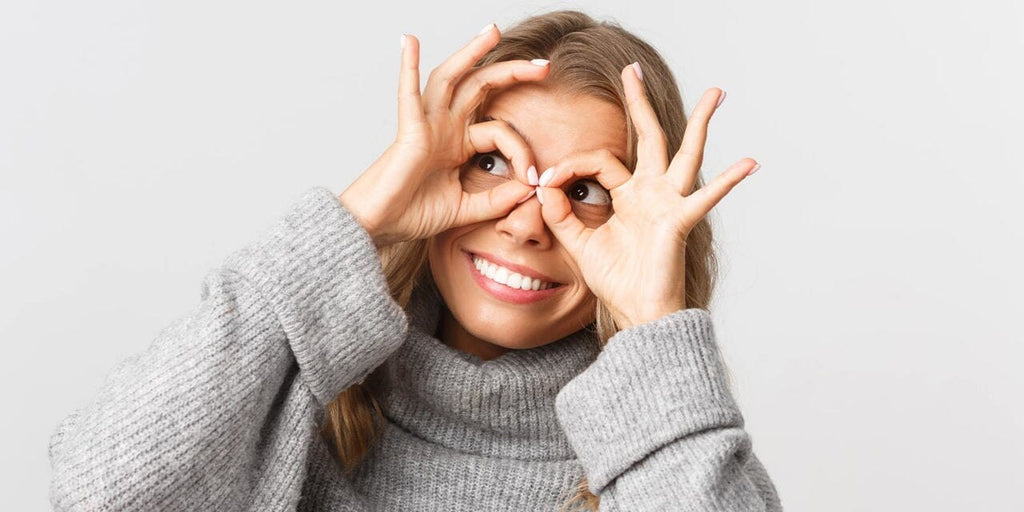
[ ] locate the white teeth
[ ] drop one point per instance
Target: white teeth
(507, 277)
(514, 280)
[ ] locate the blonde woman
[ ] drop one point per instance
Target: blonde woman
(456, 331)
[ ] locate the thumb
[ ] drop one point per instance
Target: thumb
(563, 223)
(492, 203)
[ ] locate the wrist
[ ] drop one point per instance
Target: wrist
(362, 217)
(627, 320)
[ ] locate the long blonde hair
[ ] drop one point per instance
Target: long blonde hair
(586, 57)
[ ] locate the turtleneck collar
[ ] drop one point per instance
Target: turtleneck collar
(504, 407)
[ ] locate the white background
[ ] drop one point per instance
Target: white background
(869, 307)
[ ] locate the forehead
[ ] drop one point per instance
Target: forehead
(556, 124)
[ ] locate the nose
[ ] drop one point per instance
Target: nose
(525, 225)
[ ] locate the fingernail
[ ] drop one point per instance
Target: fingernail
(521, 201)
(639, 72)
(531, 175)
(403, 40)
(486, 29)
(752, 171)
(720, 99)
(546, 177)
(540, 197)
(540, 62)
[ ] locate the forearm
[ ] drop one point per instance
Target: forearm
(655, 426)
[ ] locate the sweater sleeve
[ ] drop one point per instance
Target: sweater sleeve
(655, 426)
(219, 411)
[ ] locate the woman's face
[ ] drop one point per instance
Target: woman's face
(482, 318)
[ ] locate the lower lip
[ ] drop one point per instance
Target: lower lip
(507, 293)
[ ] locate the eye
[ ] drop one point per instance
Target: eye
(491, 161)
(579, 191)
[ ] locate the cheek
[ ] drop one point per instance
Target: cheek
(437, 251)
(442, 251)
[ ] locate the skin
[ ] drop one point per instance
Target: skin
(559, 125)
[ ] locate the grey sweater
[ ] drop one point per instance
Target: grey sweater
(222, 410)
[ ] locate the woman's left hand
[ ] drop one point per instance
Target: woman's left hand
(634, 262)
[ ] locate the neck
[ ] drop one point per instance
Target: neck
(451, 333)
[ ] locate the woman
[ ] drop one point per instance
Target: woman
(437, 338)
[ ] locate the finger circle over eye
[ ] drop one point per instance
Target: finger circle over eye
(475, 84)
(498, 135)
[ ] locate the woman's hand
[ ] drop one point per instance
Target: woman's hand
(634, 262)
(413, 190)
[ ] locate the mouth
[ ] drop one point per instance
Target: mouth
(511, 270)
(509, 282)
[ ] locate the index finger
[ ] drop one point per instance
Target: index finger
(472, 88)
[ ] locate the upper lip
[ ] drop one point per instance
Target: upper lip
(522, 269)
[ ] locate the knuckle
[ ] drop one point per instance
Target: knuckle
(605, 154)
(500, 125)
(477, 83)
(440, 76)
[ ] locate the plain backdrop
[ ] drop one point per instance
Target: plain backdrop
(869, 305)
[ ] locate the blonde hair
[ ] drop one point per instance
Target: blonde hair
(586, 57)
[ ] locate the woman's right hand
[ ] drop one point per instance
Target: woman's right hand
(413, 190)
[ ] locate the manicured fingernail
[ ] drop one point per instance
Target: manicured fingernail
(531, 175)
(540, 62)
(639, 72)
(546, 177)
(540, 197)
(403, 40)
(720, 99)
(521, 201)
(486, 29)
(752, 171)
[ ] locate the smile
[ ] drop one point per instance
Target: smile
(507, 284)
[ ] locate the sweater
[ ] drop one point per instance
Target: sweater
(222, 410)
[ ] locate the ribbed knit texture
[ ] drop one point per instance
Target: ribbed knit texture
(222, 410)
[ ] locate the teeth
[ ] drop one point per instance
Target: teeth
(507, 277)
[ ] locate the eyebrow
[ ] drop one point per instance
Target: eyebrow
(521, 134)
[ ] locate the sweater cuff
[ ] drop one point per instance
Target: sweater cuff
(322, 275)
(652, 384)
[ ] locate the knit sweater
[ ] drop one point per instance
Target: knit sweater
(222, 411)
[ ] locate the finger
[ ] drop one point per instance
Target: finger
(498, 135)
(437, 93)
(699, 203)
(491, 203)
(601, 164)
(557, 212)
(686, 164)
(410, 110)
(651, 148)
(473, 86)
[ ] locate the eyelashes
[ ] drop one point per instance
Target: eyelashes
(580, 190)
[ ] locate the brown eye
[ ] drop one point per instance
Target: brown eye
(488, 162)
(595, 193)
